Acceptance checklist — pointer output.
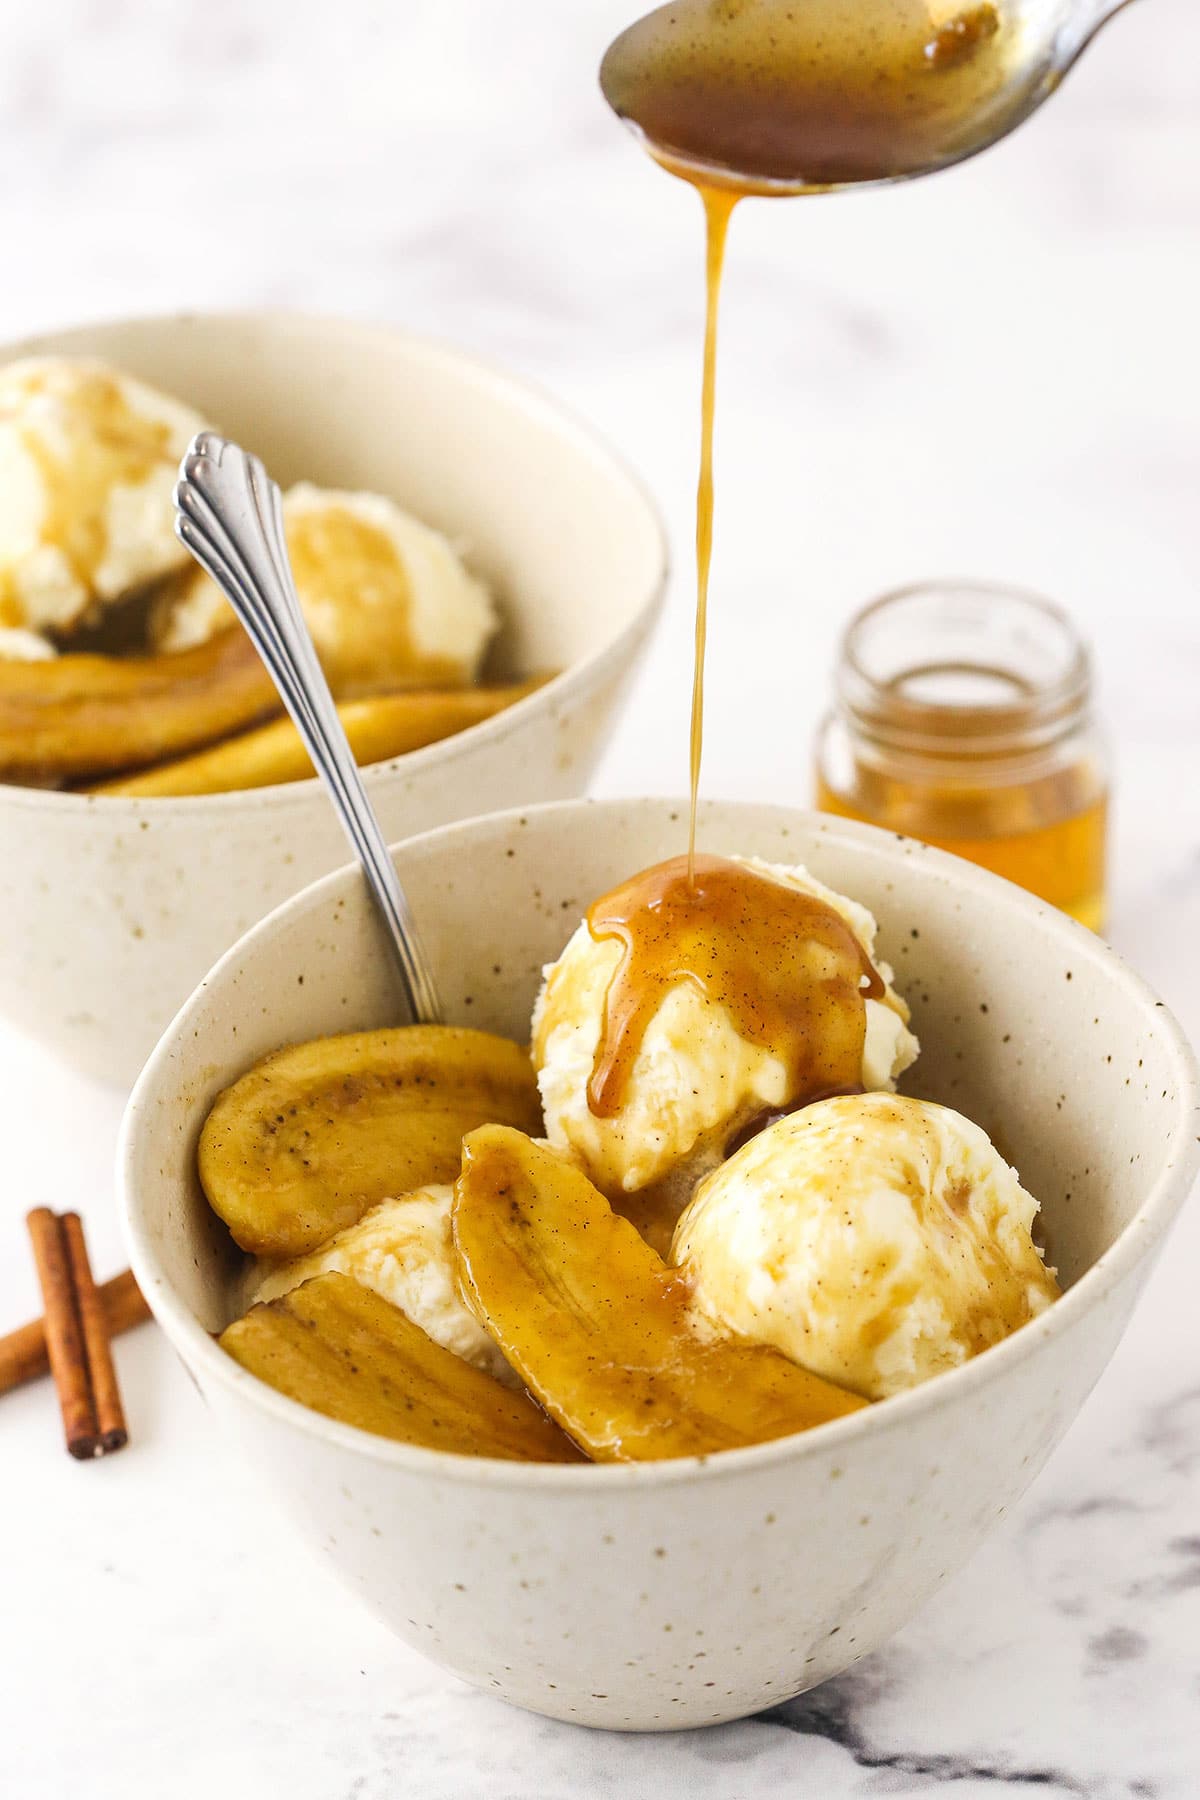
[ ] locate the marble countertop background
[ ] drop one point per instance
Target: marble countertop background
(995, 373)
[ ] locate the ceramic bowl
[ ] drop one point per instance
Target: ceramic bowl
(115, 908)
(689, 1592)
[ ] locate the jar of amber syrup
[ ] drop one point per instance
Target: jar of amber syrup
(963, 716)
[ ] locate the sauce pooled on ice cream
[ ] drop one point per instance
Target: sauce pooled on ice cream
(785, 966)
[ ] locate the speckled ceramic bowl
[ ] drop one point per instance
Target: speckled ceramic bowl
(686, 1593)
(113, 909)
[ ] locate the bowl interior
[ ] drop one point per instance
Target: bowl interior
(562, 531)
(1028, 1024)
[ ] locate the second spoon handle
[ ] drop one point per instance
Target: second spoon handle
(229, 515)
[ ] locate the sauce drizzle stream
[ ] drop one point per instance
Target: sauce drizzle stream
(718, 210)
(743, 97)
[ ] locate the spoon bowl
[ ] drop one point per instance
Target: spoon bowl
(774, 97)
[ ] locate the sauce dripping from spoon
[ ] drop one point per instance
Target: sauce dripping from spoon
(792, 96)
(718, 211)
(742, 97)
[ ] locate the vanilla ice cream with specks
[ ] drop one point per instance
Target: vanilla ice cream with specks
(875, 1240)
(402, 1250)
(88, 461)
(695, 1079)
(390, 602)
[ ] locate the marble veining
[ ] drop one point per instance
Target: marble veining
(992, 373)
(832, 1712)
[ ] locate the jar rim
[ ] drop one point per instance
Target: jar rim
(1025, 712)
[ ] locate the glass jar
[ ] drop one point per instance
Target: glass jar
(963, 716)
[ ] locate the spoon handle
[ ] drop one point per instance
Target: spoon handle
(1083, 20)
(229, 515)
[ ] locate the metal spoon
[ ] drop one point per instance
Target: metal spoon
(229, 515)
(671, 77)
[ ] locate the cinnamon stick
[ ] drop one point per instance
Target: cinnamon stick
(23, 1354)
(106, 1395)
(64, 1333)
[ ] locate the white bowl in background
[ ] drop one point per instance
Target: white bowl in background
(685, 1593)
(114, 908)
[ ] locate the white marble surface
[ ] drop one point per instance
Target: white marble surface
(994, 373)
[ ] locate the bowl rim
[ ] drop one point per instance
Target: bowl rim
(1133, 1244)
(536, 400)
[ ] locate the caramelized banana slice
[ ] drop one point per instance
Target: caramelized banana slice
(598, 1326)
(311, 1138)
(341, 1350)
(378, 729)
(81, 716)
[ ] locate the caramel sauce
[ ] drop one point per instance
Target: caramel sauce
(785, 966)
(358, 600)
(718, 210)
(959, 38)
(104, 444)
(795, 95)
(654, 1214)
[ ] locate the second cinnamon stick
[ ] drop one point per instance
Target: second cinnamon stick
(106, 1395)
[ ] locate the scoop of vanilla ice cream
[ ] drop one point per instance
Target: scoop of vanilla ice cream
(189, 610)
(695, 1079)
(875, 1240)
(389, 602)
(18, 645)
(88, 459)
(402, 1249)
